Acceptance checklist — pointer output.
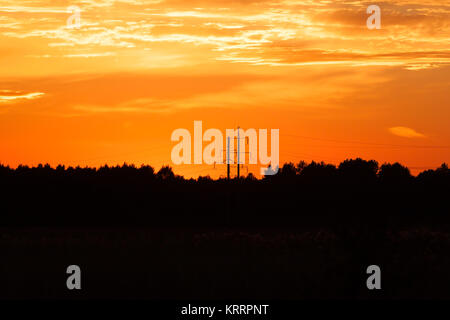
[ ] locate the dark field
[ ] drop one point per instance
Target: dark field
(311, 231)
(178, 264)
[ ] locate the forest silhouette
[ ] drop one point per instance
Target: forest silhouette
(299, 193)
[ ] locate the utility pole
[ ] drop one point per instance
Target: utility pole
(228, 158)
(238, 153)
(238, 150)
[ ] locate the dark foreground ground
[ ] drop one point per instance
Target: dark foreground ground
(309, 232)
(219, 264)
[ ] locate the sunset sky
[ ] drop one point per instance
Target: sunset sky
(113, 90)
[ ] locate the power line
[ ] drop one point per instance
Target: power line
(368, 143)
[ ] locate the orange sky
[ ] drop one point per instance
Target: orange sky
(113, 90)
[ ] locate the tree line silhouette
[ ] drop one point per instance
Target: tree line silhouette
(300, 193)
(350, 171)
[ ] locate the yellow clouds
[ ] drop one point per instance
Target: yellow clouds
(9, 96)
(414, 34)
(405, 132)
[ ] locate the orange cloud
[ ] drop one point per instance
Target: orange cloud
(405, 132)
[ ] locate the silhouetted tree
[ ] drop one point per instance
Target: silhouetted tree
(300, 166)
(358, 171)
(439, 178)
(287, 173)
(394, 174)
(204, 179)
(165, 173)
(288, 170)
(318, 173)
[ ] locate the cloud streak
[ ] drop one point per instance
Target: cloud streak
(406, 132)
(8, 96)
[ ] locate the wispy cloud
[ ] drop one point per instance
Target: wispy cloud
(90, 55)
(406, 132)
(8, 96)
